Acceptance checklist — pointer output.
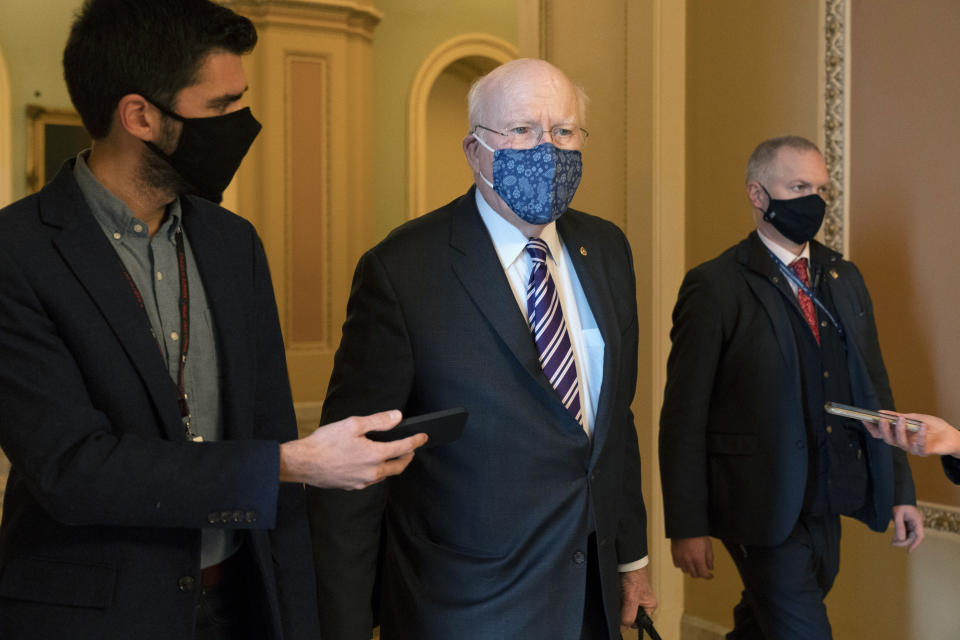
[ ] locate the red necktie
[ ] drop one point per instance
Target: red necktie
(799, 267)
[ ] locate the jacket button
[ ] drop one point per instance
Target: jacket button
(829, 429)
(578, 557)
(799, 444)
(186, 583)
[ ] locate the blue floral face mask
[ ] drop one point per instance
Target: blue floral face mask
(537, 184)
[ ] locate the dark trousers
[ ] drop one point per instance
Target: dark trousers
(594, 620)
(784, 586)
(227, 609)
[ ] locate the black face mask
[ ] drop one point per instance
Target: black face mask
(210, 150)
(797, 219)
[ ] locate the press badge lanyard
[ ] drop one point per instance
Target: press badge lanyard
(184, 304)
(795, 279)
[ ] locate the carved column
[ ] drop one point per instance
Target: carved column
(306, 182)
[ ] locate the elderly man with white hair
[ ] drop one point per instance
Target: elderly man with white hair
(521, 310)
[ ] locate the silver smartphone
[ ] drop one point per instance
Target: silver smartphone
(857, 413)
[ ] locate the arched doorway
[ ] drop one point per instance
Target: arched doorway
(438, 117)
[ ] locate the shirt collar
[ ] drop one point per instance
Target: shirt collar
(508, 241)
(113, 215)
(785, 256)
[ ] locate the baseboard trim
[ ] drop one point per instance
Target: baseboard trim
(694, 628)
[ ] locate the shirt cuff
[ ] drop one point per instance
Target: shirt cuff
(633, 566)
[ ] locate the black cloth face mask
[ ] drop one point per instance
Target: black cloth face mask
(798, 219)
(210, 150)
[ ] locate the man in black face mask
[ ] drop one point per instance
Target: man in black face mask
(763, 336)
(156, 487)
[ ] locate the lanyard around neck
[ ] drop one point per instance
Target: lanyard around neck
(184, 308)
(795, 279)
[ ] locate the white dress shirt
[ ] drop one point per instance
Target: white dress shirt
(786, 257)
(588, 345)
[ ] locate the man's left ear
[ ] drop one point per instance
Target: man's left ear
(139, 118)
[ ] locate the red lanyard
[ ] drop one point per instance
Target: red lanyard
(184, 304)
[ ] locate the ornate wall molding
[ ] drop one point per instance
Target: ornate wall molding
(938, 517)
(836, 109)
(341, 16)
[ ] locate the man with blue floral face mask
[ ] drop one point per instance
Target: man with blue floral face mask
(763, 336)
(510, 304)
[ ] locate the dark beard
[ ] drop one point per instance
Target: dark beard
(155, 172)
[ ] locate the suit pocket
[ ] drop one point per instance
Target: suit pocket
(61, 582)
(453, 549)
(732, 444)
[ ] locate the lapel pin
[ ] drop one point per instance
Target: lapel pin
(834, 274)
(583, 251)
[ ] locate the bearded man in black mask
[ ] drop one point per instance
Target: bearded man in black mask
(156, 488)
(763, 336)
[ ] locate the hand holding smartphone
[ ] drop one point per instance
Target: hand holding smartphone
(867, 415)
(441, 427)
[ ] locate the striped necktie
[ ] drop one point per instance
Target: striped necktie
(550, 330)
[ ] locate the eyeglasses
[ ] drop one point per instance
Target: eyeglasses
(529, 136)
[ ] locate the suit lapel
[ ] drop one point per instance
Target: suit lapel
(86, 250)
(231, 324)
(767, 283)
(475, 263)
(588, 265)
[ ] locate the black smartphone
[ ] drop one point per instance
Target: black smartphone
(442, 427)
(857, 413)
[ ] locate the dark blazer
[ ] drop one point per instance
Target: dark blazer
(102, 515)
(486, 537)
(733, 442)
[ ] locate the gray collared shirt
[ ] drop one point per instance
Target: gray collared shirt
(153, 266)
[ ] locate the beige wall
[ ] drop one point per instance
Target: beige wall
(409, 32)
(32, 36)
(752, 74)
(904, 230)
(905, 200)
(6, 155)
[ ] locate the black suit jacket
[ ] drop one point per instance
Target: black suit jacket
(733, 442)
(486, 537)
(105, 501)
